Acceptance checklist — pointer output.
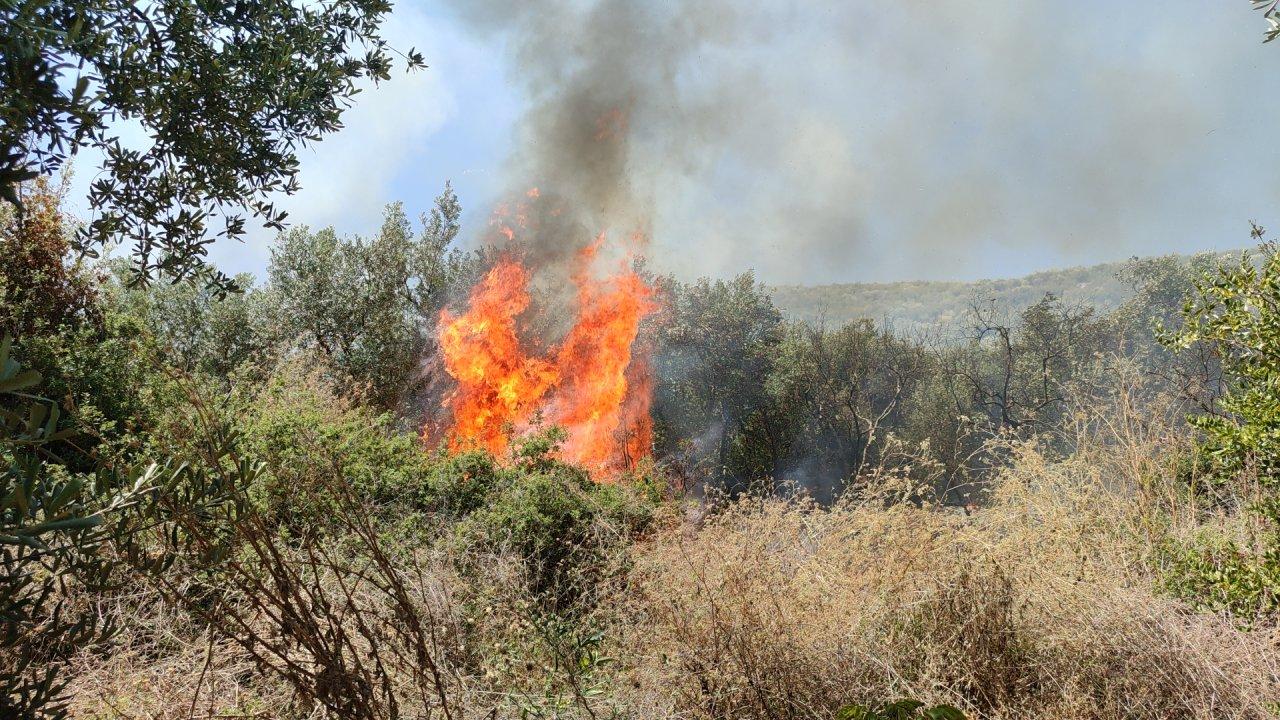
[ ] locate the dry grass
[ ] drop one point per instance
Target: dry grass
(1042, 604)
(164, 667)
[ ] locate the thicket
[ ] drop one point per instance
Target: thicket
(226, 506)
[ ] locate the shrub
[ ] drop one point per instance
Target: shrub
(458, 484)
(53, 524)
(1234, 313)
(337, 617)
(1215, 573)
(560, 523)
(299, 427)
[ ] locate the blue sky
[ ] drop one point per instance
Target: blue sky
(852, 141)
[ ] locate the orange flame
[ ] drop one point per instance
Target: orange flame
(594, 384)
(497, 383)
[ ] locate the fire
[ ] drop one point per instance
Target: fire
(594, 383)
(498, 384)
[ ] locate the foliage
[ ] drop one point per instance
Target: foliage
(198, 330)
(41, 292)
(557, 521)
(297, 529)
(834, 396)
(755, 403)
(717, 344)
(92, 353)
(297, 426)
(226, 94)
(289, 607)
(457, 484)
(1214, 573)
(1271, 12)
(52, 524)
(1019, 372)
(368, 305)
(1236, 312)
(1160, 286)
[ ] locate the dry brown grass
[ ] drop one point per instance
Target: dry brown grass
(163, 666)
(1041, 605)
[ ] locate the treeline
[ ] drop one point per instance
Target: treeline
(754, 401)
(744, 399)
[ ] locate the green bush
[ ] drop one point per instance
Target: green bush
(560, 523)
(458, 484)
(1234, 317)
(1216, 574)
(303, 432)
(54, 522)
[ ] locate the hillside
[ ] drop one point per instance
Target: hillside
(929, 303)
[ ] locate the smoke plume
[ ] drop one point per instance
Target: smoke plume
(820, 142)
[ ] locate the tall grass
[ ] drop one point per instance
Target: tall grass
(1043, 602)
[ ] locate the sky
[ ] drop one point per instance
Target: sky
(829, 142)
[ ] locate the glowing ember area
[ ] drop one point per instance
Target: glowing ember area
(593, 384)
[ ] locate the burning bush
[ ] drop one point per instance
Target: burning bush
(590, 384)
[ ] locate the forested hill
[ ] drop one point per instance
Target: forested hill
(929, 303)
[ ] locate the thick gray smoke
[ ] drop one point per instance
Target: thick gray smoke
(608, 117)
(875, 140)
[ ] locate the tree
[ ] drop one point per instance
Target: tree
(1016, 373)
(198, 330)
(718, 346)
(1161, 286)
(59, 309)
(1236, 312)
(843, 393)
(226, 92)
(40, 291)
(368, 305)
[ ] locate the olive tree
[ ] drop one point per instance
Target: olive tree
(226, 93)
(717, 347)
(368, 305)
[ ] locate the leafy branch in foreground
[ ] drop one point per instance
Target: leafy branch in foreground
(226, 93)
(52, 524)
(1269, 10)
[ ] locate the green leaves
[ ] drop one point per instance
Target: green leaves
(1269, 11)
(1235, 313)
(227, 93)
(1234, 317)
(899, 710)
(12, 376)
(48, 536)
(369, 303)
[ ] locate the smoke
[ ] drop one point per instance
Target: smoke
(867, 139)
